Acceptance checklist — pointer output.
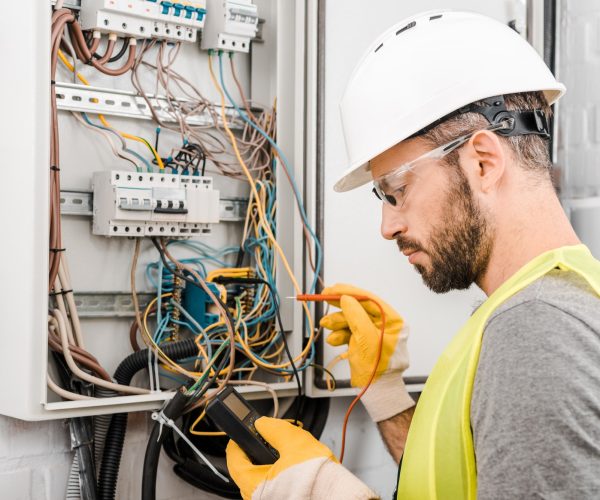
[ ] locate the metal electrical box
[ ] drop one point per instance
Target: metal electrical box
(295, 56)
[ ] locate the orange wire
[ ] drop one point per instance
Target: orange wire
(319, 297)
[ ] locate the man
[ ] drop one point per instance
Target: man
(447, 115)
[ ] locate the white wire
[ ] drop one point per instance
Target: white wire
(67, 292)
(162, 419)
(64, 393)
(62, 330)
(109, 138)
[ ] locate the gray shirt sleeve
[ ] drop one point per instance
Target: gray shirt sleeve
(535, 409)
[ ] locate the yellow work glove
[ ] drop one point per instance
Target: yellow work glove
(306, 468)
(358, 325)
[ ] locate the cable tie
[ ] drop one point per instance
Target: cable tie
(52, 82)
(56, 250)
(54, 168)
(62, 292)
(162, 419)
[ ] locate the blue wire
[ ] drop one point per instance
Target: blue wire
(285, 164)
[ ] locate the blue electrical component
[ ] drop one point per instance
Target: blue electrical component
(178, 7)
(188, 11)
(196, 301)
(166, 6)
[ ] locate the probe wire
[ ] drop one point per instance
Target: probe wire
(327, 297)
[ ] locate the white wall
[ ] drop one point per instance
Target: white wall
(579, 117)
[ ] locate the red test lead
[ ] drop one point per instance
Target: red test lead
(319, 297)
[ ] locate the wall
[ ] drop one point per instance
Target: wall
(35, 457)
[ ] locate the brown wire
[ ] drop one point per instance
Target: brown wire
(60, 19)
(81, 359)
(212, 137)
(133, 329)
(84, 53)
(110, 47)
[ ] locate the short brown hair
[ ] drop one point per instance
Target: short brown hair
(530, 151)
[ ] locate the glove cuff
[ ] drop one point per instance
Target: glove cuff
(319, 477)
(386, 397)
(335, 481)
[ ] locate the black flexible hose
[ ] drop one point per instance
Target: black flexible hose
(113, 446)
(173, 410)
(314, 416)
(158, 435)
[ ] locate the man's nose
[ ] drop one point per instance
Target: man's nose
(392, 222)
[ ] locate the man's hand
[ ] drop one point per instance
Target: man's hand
(305, 469)
(358, 325)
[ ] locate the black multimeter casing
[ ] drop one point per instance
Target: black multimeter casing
(235, 417)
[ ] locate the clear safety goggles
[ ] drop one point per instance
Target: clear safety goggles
(391, 188)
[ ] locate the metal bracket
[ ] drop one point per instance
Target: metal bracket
(259, 32)
(76, 203)
(82, 203)
(72, 4)
(108, 304)
(233, 209)
(97, 100)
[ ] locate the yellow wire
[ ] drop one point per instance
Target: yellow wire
(83, 80)
(163, 356)
(218, 433)
(229, 272)
(158, 159)
(200, 433)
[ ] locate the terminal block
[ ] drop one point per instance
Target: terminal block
(153, 204)
(166, 20)
(230, 26)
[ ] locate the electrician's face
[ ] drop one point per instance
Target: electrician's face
(440, 226)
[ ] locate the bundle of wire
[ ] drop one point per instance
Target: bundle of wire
(246, 342)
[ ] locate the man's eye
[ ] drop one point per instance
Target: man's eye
(399, 191)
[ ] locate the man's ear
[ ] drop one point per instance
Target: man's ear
(485, 160)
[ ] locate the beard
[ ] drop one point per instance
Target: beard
(460, 246)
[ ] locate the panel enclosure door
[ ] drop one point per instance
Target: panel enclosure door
(340, 31)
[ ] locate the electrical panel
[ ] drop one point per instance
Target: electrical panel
(230, 26)
(153, 204)
(169, 179)
(174, 21)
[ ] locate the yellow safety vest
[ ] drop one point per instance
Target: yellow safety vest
(439, 458)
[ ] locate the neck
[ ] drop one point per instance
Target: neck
(523, 231)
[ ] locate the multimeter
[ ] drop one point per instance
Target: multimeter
(235, 417)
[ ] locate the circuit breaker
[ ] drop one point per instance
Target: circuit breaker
(153, 204)
(231, 25)
(175, 21)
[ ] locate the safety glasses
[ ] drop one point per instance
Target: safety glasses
(391, 188)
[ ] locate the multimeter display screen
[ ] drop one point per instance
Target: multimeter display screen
(238, 408)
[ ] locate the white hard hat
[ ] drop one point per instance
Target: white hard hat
(424, 68)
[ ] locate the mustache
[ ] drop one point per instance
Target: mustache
(408, 244)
